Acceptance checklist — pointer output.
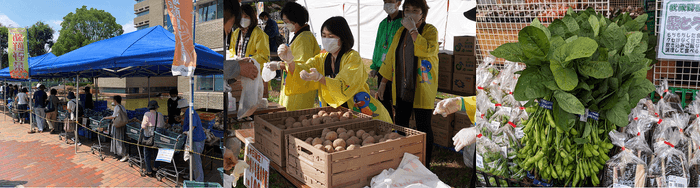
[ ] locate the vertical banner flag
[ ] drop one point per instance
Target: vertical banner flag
(185, 59)
(17, 52)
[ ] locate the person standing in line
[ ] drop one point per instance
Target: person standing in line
(385, 36)
(74, 118)
(173, 111)
(198, 137)
(152, 120)
(117, 146)
(39, 101)
(22, 104)
(89, 104)
(51, 116)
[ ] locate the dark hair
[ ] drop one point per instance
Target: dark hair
(232, 8)
(420, 4)
(248, 10)
(24, 90)
(54, 92)
(264, 14)
(339, 27)
(118, 99)
(295, 13)
(87, 88)
(173, 91)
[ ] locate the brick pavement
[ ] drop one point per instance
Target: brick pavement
(42, 160)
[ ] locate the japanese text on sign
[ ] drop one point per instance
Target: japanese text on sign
(185, 58)
(257, 175)
(19, 67)
(679, 29)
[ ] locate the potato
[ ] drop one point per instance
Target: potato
(297, 125)
(324, 115)
(344, 136)
(332, 135)
(377, 137)
(339, 148)
(320, 113)
(327, 120)
(359, 133)
(329, 149)
(351, 133)
(324, 131)
(364, 136)
(353, 140)
(383, 140)
(317, 141)
(394, 135)
(327, 143)
(387, 136)
(309, 140)
(347, 115)
(368, 140)
(281, 126)
(341, 130)
(315, 116)
(288, 124)
(352, 147)
(335, 114)
(289, 120)
(372, 133)
(301, 118)
(339, 142)
(316, 121)
(343, 119)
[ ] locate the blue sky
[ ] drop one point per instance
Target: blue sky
(24, 13)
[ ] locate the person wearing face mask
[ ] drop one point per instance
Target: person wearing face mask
(338, 74)
(249, 41)
(271, 30)
(117, 146)
(173, 111)
(385, 35)
(412, 66)
(232, 13)
(302, 47)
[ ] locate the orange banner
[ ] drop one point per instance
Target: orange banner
(185, 59)
(17, 52)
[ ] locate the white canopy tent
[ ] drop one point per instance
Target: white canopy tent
(446, 15)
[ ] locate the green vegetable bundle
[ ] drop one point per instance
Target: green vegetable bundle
(586, 65)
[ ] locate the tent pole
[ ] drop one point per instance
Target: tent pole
(30, 103)
(97, 97)
(77, 119)
(358, 27)
(4, 96)
(148, 79)
(191, 111)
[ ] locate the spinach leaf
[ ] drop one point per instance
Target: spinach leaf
(569, 102)
(558, 28)
(561, 117)
(536, 23)
(613, 38)
(594, 24)
(640, 89)
(571, 24)
(618, 114)
(509, 51)
(596, 69)
(533, 42)
(632, 41)
(581, 48)
(566, 78)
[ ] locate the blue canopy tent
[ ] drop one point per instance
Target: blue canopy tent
(32, 61)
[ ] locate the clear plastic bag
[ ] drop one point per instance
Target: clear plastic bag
(484, 73)
(672, 129)
(624, 168)
(695, 161)
(694, 110)
(670, 102)
(509, 101)
(251, 95)
(268, 74)
(669, 167)
(502, 116)
(489, 159)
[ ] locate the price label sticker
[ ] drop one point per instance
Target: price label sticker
(675, 181)
(479, 161)
(616, 185)
(546, 104)
(593, 115)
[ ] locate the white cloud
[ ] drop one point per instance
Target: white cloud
(56, 25)
(129, 27)
(56, 22)
(7, 22)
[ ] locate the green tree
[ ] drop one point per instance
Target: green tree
(83, 27)
(40, 39)
(3, 46)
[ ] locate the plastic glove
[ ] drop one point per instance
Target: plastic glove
(285, 53)
(273, 65)
(380, 90)
(448, 106)
(408, 23)
(465, 137)
(311, 75)
(238, 171)
(373, 74)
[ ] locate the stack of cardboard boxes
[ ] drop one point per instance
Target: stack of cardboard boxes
(444, 128)
(458, 69)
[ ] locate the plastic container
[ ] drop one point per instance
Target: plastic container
(188, 183)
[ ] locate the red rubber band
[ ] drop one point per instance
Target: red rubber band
(669, 144)
(512, 124)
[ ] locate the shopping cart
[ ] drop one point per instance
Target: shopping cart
(99, 126)
(133, 131)
(170, 140)
(61, 117)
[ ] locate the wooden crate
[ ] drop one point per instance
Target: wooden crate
(352, 168)
(270, 139)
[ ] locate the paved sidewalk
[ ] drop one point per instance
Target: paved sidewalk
(42, 160)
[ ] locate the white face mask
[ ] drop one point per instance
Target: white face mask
(290, 27)
(390, 8)
(173, 98)
(245, 22)
(113, 104)
(330, 44)
(415, 17)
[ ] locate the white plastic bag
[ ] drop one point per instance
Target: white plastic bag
(251, 95)
(268, 74)
(231, 102)
(411, 174)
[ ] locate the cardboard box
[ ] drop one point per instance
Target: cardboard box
(465, 65)
(445, 80)
(463, 83)
(443, 137)
(446, 61)
(465, 45)
(438, 121)
(461, 121)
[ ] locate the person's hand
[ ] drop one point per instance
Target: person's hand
(409, 23)
(380, 90)
(311, 75)
(465, 137)
(248, 69)
(273, 65)
(285, 53)
(373, 73)
(448, 106)
(229, 160)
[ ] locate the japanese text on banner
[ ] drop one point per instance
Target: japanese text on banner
(185, 58)
(257, 176)
(679, 29)
(17, 52)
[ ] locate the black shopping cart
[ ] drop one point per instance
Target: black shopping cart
(133, 131)
(170, 140)
(61, 117)
(99, 126)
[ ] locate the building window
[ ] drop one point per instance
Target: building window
(210, 83)
(142, 27)
(142, 13)
(210, 11)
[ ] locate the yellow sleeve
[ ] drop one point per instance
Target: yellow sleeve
(304, 47)
(426, 44)
(232, 44)
(469, 106)
(387, 68)
(351, 79)
(294, 83)
(262, 48)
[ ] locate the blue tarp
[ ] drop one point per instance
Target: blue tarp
(32, 61)
(143, 53)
